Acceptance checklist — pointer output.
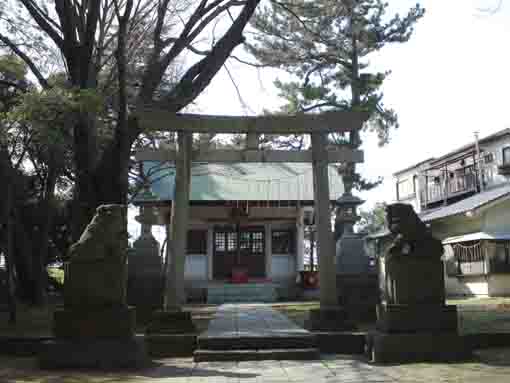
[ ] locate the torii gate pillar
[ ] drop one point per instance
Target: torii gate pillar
(330, 316)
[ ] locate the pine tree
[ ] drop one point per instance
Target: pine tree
(325, 45)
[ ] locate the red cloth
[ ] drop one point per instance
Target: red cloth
(239, 276)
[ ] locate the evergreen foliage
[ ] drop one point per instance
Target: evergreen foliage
(374, 220)
(326, 45)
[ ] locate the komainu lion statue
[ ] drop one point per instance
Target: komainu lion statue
(410, 269)
(410, 236)
(97, 268)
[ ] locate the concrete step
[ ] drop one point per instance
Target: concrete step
(201, 355)
(226, 299)
(241, 293)
(305, 341)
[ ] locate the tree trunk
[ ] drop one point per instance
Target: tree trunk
(312, 250)
(11, 298)
(102, 183)
(41, 250)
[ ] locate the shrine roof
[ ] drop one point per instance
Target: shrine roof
(240, 182)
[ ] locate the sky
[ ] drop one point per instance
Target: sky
(450, 80)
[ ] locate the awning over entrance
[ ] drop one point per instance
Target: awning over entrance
(476, 237)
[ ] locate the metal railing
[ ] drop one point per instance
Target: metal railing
(454, 186)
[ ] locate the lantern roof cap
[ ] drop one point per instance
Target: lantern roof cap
(347, 199)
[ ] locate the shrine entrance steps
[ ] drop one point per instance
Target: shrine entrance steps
(242, 332)
(219, 292)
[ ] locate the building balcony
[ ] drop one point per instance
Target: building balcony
(454, 187)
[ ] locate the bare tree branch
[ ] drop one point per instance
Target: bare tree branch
(239, 96)
(200, 75)
(37, 73)
(43, 21)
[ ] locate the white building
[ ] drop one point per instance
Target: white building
(464, 196)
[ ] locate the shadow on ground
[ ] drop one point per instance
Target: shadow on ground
(26, 370)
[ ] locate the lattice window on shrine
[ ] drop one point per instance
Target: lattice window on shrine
(244, 241)
(220, 242)
(257, 242)
(231, 241)
(500, 262)
(470, 258)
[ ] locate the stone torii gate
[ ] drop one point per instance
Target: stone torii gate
(317, 125)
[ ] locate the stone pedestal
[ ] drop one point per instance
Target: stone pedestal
(101, 353)
(417, 347)
(107, 322)
(415, 318)
(171, 334)
(329, 319)
(171, 322)
(417, 333)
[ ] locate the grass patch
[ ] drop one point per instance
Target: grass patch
(476, 315)
(471, 322)
(56, 274)
(296, 311)
(482, 303)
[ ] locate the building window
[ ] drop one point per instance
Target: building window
(405, 188)
(469, 258)
(197, 242)
(500, 263)
(282, 242)
(506, 155)
(488, 158)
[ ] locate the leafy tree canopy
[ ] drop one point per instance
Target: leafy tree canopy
(374, 220)
(326, 45)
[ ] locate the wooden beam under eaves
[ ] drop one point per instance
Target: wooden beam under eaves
(235, 156)
(156, 119)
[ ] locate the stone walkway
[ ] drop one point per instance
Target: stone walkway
(253, 320)
(330, 369)
(250, 320)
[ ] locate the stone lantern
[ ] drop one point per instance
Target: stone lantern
(145, 266)
(346, 214)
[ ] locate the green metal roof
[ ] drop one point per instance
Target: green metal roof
(241, 182)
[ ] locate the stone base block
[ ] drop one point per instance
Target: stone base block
(145, 292)
(106, 275)
(171, 322)
(252, 355)
(341, 342)
(146, 264)
(171, 345)
(93, 353)
(416, 318)
(417, 347)
(86, 322)
(329, 319)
